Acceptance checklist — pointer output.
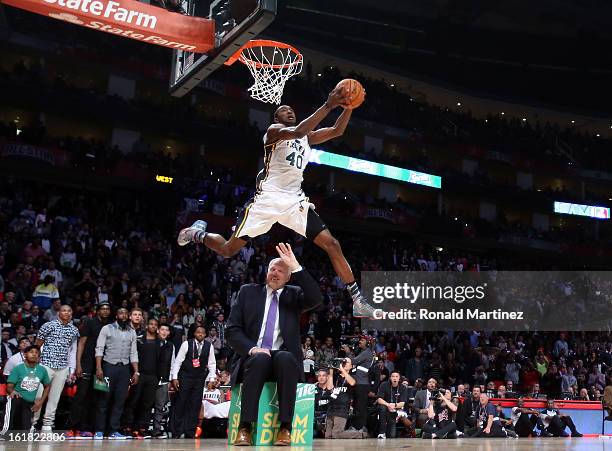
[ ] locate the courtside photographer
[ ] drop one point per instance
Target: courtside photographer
(441, 415)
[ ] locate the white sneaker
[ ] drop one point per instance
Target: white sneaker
(186, 235)
(46, 429)
(382, 436)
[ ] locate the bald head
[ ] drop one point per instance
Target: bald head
(278, 274)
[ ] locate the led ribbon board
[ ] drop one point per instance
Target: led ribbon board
(592, 211)
(372, 168)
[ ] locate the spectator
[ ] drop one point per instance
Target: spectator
(524, 419)
(422, 400)
(22, 386)
(487, 425)
(551, 381)
(17, 358)
(52, 313)
(596, 378)
(53, 272)
(58, 339)
(415, 368)
(195, 363)
(556, 422)
(115, 349)
(161, 395)
(137, 412)
(501, 392)
(323, 391)
(82, 416)
(45, 293)
(392, 397)
(213, 339)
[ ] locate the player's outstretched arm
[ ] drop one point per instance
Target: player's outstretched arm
(327, 133)
(277, 132)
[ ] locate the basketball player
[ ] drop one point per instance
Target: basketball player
(279, 196)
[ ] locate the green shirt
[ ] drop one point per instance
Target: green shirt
(28, 379)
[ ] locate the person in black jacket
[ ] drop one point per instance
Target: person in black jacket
(555, 422)
(392, 397)
(264, 331)
(137, 412)
(166, 360)
(362, 363)
(194, 365)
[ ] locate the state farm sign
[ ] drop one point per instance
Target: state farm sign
(131, 19)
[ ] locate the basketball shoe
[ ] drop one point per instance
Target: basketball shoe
(361, 308)
(191, 234)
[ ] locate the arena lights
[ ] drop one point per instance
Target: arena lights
(163, 179)
(592, 211)
(369, 167)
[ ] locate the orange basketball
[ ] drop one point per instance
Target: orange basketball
(355, 91)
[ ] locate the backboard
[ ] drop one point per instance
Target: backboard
(236, 23)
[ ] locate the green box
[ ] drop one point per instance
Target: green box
(266, 429)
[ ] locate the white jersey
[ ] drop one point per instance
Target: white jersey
(284, 164)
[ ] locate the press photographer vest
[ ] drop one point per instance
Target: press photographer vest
(187, 368)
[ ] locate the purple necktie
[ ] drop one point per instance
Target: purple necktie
(268, 336)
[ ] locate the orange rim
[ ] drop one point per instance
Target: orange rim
(264, 43)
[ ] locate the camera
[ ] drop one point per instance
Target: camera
(337, 363)
(436, 395)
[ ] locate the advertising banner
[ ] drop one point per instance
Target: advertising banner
(130, 19)
(266, 429)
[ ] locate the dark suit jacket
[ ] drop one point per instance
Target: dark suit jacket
(420, 399)
(247, 316)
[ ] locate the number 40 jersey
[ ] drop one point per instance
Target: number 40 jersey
(284, 164)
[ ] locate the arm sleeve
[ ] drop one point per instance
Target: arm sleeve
(212, 364)
(134, 349)
(101, 342)
(43, 331)
(46, 380)
(234, 331)
(381, 392)
(178, 361)
(363, 357)
(12, 379)
(310, 296)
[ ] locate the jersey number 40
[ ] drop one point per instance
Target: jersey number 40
(298, 161)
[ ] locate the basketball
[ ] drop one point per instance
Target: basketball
(355, 91)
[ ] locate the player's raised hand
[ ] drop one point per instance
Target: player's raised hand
(286, 254)
(338, 97)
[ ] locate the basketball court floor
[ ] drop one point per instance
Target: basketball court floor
(544, 444)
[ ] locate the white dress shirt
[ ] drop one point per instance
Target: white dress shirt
(182, 353)
(277, 341)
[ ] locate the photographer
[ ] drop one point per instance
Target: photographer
(441, 415)
(361, 367)
(339, 402)
(392, 397)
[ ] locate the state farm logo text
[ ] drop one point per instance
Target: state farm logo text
(110, 10)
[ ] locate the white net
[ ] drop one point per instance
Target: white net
(270, 67)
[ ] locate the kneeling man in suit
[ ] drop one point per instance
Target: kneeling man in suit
(264, 331)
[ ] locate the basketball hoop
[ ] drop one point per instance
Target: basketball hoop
(271, 64)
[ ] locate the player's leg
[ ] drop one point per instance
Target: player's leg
(322, 237)
(197, 233)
